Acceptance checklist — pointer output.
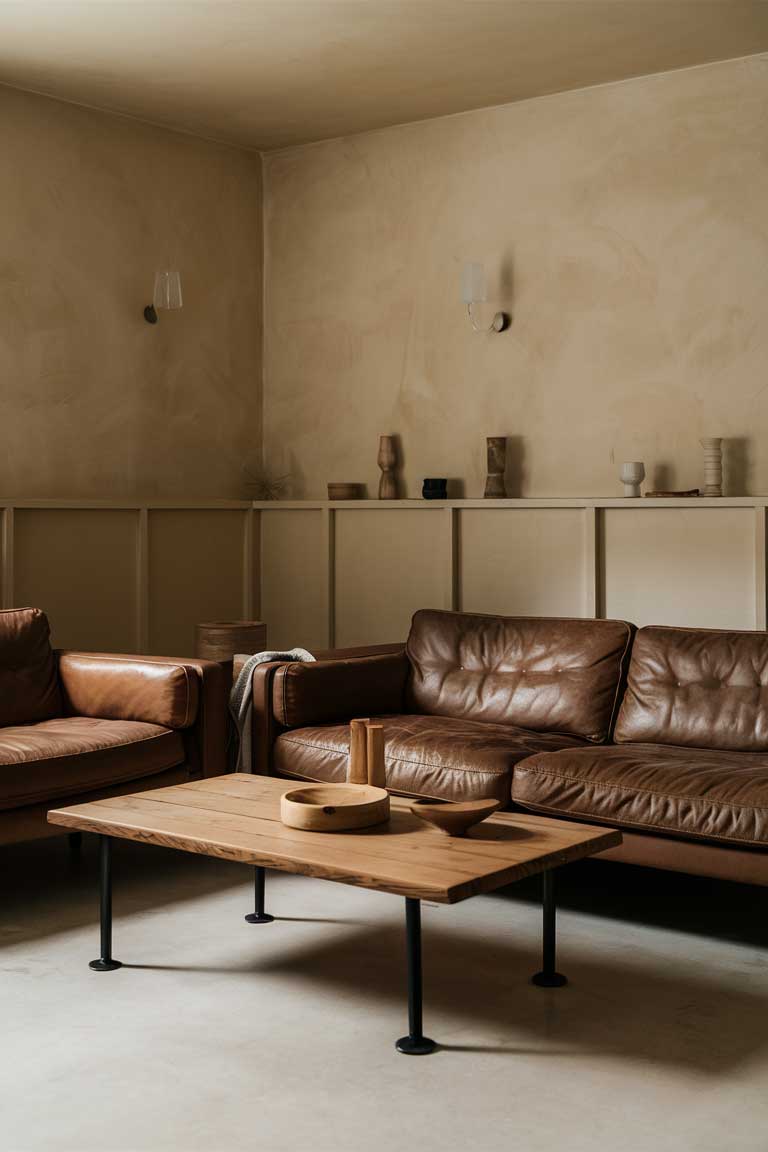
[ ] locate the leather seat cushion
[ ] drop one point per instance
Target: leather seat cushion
(75, 753)
(434, 756)
(703, 794)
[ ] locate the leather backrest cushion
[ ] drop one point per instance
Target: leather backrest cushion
(697, 687)
(540, 673)
(29, 685)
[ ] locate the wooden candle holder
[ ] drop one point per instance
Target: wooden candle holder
(366, 763)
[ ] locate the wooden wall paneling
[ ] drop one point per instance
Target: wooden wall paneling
(761, 589)
(523, 561)
(80, 566)
(388, 563)
(195, 573)
(691, 567)
(6, 559)
(294, 577)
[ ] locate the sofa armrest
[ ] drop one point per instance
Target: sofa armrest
(176, 693)
(339, 689)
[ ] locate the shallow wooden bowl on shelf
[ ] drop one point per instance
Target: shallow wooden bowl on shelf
(454, 818)
(345, 491)
(334, 807)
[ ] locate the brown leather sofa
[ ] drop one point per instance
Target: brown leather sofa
(661, 732)
(78, 726)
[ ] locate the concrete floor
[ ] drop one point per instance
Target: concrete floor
(222, 1036)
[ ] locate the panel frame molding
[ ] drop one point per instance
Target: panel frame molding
(593, 556)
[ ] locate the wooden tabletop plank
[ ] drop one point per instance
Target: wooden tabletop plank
(237, 817)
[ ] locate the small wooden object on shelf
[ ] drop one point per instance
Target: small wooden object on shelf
(672, 495)
(357, 769)
(334, 807)
(377, 777)
(387, 460)
(455, 819)
(338, 490)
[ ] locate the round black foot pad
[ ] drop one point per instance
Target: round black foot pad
(104, 965)
(549, 980)
(259, 918)
(410, 1046)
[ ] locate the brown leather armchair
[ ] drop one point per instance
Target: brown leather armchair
(77, 726)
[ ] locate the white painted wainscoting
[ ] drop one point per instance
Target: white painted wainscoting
(137, 575)
(353, 572)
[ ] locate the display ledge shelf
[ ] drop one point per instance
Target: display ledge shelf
(528, 502)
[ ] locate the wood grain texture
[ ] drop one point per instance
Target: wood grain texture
(237, 817)
(326, 808)
(357, 770)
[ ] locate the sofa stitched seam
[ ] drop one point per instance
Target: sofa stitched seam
(105, 748)
(643, 791)
(537, 805)
(397, 759)
(31, 797)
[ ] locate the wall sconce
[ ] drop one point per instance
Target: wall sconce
(167, 293)
(473, 292)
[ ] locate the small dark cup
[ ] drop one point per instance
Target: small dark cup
(435, 489)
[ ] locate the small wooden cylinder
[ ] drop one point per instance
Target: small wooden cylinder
(357, 768)
(377, 776)
(221, 640)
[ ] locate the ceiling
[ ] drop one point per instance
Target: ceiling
(269, 73)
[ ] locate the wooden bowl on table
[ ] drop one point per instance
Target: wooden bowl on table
(334, 807)
(455, 819)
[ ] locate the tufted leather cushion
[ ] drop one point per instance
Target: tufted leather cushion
(425, 755)
(699, 793)
(75, 754)
(697, 687)
(545, 674)
(29, 686)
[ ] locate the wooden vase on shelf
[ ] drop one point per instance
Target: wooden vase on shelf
(387, 460)
(497, 463)
(713, 465)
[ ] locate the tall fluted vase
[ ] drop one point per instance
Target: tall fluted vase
(713, 465)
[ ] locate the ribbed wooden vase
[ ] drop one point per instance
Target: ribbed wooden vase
(222, 640)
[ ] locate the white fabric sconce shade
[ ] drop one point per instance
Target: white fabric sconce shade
(473, 291)
(166, 294)
(473, 284)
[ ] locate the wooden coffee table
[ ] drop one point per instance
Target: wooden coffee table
(237, 817)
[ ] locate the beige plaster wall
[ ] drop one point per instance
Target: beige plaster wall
(625, 228)
(94, 401)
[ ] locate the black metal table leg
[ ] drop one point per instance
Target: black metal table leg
(106, 963)
(548, 977)
(259, 916)
(415, 1043)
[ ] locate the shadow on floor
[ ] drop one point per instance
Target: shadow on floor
(646, 1006)
(44, 890)
(643, 1010)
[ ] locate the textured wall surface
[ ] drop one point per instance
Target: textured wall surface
(623, 226)
(94, 401)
